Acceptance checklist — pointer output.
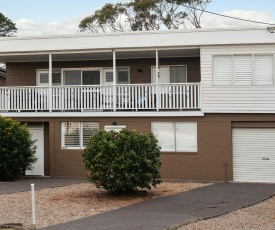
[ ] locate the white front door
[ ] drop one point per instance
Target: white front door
(38, 135)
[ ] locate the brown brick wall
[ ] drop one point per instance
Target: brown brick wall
(208, 164)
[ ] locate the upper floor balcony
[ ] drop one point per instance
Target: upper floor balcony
(101, 98)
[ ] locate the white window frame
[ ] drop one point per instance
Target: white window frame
(253, 80)
(38, 71)
(168, 66)
(110, 69)
(100, 69)
(80, 134)
(174, 133)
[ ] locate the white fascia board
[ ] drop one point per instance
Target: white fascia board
(137, 40)
(105, 114)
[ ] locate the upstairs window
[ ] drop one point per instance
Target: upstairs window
(243, 70)
(122, 75)
(81, 77)
(170, 74)
(43, 77)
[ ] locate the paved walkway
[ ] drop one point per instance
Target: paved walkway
(166, 212)
(40, 182)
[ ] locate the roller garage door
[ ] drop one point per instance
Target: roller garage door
(253, 154)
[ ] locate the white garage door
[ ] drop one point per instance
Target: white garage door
(254, 154)
(38, 135)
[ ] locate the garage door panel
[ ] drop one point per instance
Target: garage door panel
(254, 154)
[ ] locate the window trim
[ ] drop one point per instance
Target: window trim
(47, 71)
(175, 140)
(169, 66)
(110, 69)
(100, 69)
(80, 133)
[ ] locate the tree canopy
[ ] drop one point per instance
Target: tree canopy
(7, 27)
(138, 15)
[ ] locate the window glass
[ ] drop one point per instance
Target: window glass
(122, 76)
(71, 134)
(76, 134)
(176, 136)
(43, 77)
(165, 134)
(72, 77)
(91, 77)
(186, 136)
(178, 74)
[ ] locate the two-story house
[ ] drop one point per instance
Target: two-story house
(208, 95)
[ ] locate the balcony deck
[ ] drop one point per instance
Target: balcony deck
(107, 98)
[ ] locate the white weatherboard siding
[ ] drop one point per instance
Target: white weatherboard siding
(234, 98)
(254, 154)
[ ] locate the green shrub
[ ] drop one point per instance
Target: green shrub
(17, 149)
(123, 161)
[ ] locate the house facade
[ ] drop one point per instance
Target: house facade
(208, 95)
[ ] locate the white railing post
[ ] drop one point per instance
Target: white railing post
(157, 80)
(114, 80)
(50, 83)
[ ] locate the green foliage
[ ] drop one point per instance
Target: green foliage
(139, 15)
(7, 27)
(17, 149)
(123, 161)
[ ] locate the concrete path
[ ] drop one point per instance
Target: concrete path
(40, 183)
(166, 212)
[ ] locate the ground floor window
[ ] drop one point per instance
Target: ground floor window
(76, 134)
(176, 136)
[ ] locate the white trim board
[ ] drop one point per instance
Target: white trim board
(106, 114)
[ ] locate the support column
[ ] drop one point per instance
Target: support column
(50, 83)
(114, 81)
(157, 80)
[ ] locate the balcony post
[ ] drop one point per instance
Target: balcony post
(50, 83)
(114, 81)
(157, 80)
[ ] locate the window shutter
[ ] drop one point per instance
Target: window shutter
(71, 134)
(263, 69)
(88, 129)
(165, 135)
(43, 79)
(243, 70)
(223, 70)
(122, 76)
(186, 136)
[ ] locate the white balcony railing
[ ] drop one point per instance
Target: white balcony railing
(101, 98)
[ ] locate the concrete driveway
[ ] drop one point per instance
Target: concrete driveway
(167, 212)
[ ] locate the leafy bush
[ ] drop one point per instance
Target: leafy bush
(123, 161)
(17, 149)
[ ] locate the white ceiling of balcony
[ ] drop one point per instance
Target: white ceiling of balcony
(86, 55)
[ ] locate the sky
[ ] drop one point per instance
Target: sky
(48, 17)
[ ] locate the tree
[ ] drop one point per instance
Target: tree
(145, 15)
(7, 27)
(122, 161)
(17, 149)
